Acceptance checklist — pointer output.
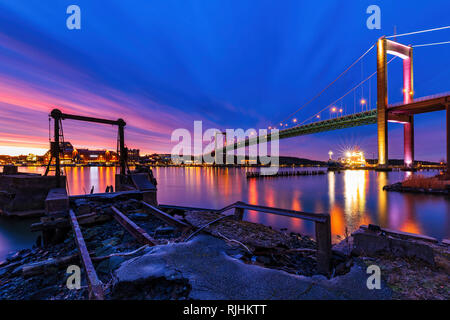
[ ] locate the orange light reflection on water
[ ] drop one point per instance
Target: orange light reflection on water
(352, 198)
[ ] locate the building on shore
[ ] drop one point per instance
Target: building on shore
(73, 156)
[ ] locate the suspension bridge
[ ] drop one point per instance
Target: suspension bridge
(384, 112)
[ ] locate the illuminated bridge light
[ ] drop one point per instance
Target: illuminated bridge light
(295, 120)
(363, 101)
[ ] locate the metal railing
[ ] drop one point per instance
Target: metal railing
(322, 226)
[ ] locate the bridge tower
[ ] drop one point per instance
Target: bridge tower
(385, 46)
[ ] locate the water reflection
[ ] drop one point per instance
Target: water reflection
(352, 197)
(382, 198)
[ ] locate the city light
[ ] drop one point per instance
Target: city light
(354, 157)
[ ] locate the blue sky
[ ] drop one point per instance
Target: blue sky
(232, 64)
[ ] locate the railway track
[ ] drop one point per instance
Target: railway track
(138, 230)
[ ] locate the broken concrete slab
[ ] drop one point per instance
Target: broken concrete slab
(404, 235)
(28, 192)
(212, 274)
(57, 201)
(371, 243)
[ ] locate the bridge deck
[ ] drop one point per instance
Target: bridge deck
(422, 105)
(428, 104)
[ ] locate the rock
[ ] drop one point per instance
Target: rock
(109, 265)
(14, 256)
(3, 271)
(16, 271)
(111, 242)
(138, 216)
(341, 268)
(164, 230)
(104, 251)
(263, 259)
(343, 248)
(90, 234)
(119, 234)
(83, 206)
(369, 243)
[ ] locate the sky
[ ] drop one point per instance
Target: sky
(161, 65)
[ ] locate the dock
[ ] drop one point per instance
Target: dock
(285, 174)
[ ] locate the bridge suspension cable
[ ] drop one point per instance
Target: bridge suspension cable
(353, 64)
(329, 85)
(347, 93)
(430, 44)
(417, 32)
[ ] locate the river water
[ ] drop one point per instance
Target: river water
(353, 197)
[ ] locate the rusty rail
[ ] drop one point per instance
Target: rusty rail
(167, 218)
(95, 285)
(322, 228)
(283, 212)
(137, 232)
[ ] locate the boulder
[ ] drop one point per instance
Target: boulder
(109, 265)
(370, 243)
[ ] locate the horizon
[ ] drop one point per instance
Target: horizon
(167, 69)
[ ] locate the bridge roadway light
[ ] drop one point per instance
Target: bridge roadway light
(295, 120)
(363, 101)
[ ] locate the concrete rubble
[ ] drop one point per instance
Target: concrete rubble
(229, 259)
(211, 273)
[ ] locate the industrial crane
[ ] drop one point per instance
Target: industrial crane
(55, 145)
